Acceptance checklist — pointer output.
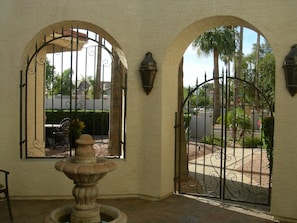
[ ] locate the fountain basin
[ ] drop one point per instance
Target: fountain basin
(108, 214)
(87, 172)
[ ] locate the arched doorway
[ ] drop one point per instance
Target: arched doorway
(185, 38)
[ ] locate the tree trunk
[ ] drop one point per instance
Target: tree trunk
(228, 73)
(238, 70)
(97, 88)
(257, 72)
(181, 153)
(216, 96)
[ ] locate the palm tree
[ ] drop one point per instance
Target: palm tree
(50, 72)
(257, 70)
(62, 84)
(219, 41)
(97, 89)
(238, 67)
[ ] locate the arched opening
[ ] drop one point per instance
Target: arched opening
(183, 40)
(73, 81)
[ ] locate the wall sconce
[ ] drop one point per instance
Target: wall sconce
(290, 68)
(148, 70)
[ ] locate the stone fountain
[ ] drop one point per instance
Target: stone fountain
(85, 169)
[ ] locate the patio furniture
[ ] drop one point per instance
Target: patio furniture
(61, 133)
(4, 189)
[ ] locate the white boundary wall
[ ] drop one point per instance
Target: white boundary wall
(63, 102)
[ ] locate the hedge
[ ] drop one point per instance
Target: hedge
(96, 122)
(268, 131)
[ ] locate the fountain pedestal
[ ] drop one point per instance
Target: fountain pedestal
(85, 170)
(86, 207)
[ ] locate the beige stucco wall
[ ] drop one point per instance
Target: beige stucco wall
(165, 28)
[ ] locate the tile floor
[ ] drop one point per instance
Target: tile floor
(174, 209)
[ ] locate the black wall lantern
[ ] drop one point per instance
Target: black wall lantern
(290, 68)
(148, 70)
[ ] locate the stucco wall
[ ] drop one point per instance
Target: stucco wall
(165, 28)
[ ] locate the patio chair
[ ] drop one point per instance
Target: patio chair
(60, 134)
(4, 189)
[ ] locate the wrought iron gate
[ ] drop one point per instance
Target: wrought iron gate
(229, 156)
(73, 82)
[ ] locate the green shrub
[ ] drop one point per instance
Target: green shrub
(251, 142)
(187, 119)
(267, 132)
(236, 119)
(212, 140)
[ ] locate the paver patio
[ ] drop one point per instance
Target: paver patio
(174, 209)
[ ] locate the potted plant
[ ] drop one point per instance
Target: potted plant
(75, 130)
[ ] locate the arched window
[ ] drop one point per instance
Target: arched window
(74, 81)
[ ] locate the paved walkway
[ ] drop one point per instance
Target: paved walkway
(235, 159)
(246, 171)
(174, 209)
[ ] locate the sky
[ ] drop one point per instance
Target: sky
(195, 66)
(86, 61)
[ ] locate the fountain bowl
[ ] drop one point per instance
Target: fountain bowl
(108, 214)
(87, 172)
